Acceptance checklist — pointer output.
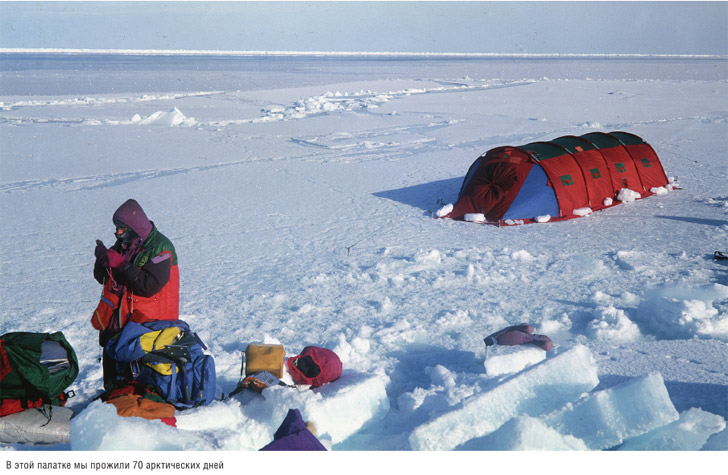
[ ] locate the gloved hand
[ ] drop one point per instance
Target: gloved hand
(115, 259)
(100, 253)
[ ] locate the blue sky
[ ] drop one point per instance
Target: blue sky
(458, 27)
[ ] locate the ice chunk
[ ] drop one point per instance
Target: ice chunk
(444, 211)
(338, 409)
(606, 418)
(522, 255)
(510, 359)
(428, 257)
(348, 403)
(475, 217)
(170, 119)
(717, 441)
(627, 196)
(690, 432)
(613, 324)
(539, 389)
(526, 433)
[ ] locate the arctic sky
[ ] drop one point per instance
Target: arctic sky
(438, 27)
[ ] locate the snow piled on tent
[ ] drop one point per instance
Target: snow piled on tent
(300, 195)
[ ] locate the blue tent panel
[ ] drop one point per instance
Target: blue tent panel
(536, 197)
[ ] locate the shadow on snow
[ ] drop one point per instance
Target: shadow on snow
(426, 196)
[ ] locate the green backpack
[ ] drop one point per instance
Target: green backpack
(35, 369)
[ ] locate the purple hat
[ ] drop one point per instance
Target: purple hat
(132, 216)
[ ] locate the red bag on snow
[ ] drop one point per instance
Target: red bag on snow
(315, 366)
(11, 406)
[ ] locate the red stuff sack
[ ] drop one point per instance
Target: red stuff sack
(315, 366)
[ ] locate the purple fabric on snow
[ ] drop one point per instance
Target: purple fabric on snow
(131, 214)
(513, 337)
(293, 435)
(519, 335)
(495, 337)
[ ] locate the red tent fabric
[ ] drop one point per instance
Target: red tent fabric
(645, 159)
(492, 183)
(559, 179)
(593, 167)
(621, 166)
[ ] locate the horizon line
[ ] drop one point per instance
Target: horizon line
(260, 53)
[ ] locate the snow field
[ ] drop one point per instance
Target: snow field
(300, 197)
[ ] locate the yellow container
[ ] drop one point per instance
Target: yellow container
(264, 357)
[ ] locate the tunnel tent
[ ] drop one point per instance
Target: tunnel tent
(561, 179)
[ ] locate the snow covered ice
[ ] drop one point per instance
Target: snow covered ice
(535, 391)
(690, 432)
(302, 196)
(510, 359)
(605, 418)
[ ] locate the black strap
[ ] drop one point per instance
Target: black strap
(47, 414)
(242, 366)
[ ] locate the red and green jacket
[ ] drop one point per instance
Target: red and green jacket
(150, 283)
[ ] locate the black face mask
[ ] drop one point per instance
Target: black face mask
(127, 236)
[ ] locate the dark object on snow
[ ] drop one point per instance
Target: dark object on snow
(720, 256)
(519, 335)
(293, 435)
(318, 366)
(306, 365)
(559, 178)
